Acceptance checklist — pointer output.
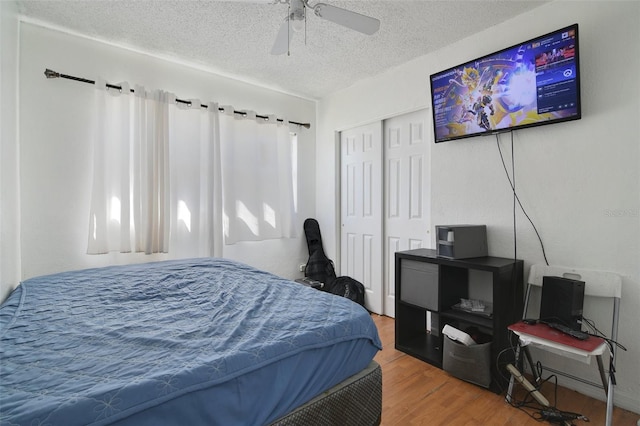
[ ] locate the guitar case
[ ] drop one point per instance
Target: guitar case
(320, 268)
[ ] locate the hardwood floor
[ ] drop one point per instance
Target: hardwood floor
(416, 393)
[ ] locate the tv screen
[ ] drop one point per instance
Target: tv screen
(529, 84)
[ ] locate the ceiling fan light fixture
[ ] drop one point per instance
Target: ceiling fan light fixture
(297, 24)
(296, 21)
(298, 16)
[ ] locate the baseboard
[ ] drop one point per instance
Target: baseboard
(620, 399)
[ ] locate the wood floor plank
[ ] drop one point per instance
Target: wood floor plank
(417, 393)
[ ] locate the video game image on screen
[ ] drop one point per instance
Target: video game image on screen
(530, 84)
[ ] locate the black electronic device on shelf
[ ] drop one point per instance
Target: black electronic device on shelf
(562, 300)
(461, 241)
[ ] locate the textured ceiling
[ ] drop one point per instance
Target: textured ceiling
(234, 38)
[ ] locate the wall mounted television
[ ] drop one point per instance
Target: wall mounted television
(532, 83)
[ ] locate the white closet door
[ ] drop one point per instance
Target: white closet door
(406, 202)
(385, 201)
(361, 210)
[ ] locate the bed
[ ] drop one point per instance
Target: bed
(195, 341)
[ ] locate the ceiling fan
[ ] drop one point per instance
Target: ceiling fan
(296, 19)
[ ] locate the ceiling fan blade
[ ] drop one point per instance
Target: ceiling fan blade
(281, 45)
(347, 18)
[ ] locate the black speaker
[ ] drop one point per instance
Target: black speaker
(562, 300)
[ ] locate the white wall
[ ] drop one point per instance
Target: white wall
(55, 147)
(579, 181)
(9, 188)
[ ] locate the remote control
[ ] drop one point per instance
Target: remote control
(569, 331)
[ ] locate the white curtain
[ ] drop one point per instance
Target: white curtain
(196, 180)
(175, 177)
(157, 179)
(109, 220)
(257, 178)
(149, 136)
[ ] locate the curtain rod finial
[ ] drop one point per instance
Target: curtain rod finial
(306, 125)
(51, 74)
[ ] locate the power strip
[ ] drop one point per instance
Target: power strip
(531, 389)
(528, 386)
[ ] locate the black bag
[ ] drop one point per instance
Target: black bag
(347, 287)
(319, 267)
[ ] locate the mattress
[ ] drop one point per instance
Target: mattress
(196, 341)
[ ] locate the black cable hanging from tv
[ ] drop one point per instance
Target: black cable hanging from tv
(53, 74)
(515, 194)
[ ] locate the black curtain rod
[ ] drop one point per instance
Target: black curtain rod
(53, 74)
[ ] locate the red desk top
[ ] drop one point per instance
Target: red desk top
(545, 332)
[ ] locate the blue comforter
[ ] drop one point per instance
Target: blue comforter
(174, 342)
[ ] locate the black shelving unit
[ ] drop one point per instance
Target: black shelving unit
(435, 284)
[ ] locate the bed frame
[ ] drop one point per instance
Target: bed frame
(356, 401)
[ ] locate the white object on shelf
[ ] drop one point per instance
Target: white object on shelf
(457, 335)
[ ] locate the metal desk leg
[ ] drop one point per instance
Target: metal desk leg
(603, 377)
(527, 354)
(511, 377)
(609, 417)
